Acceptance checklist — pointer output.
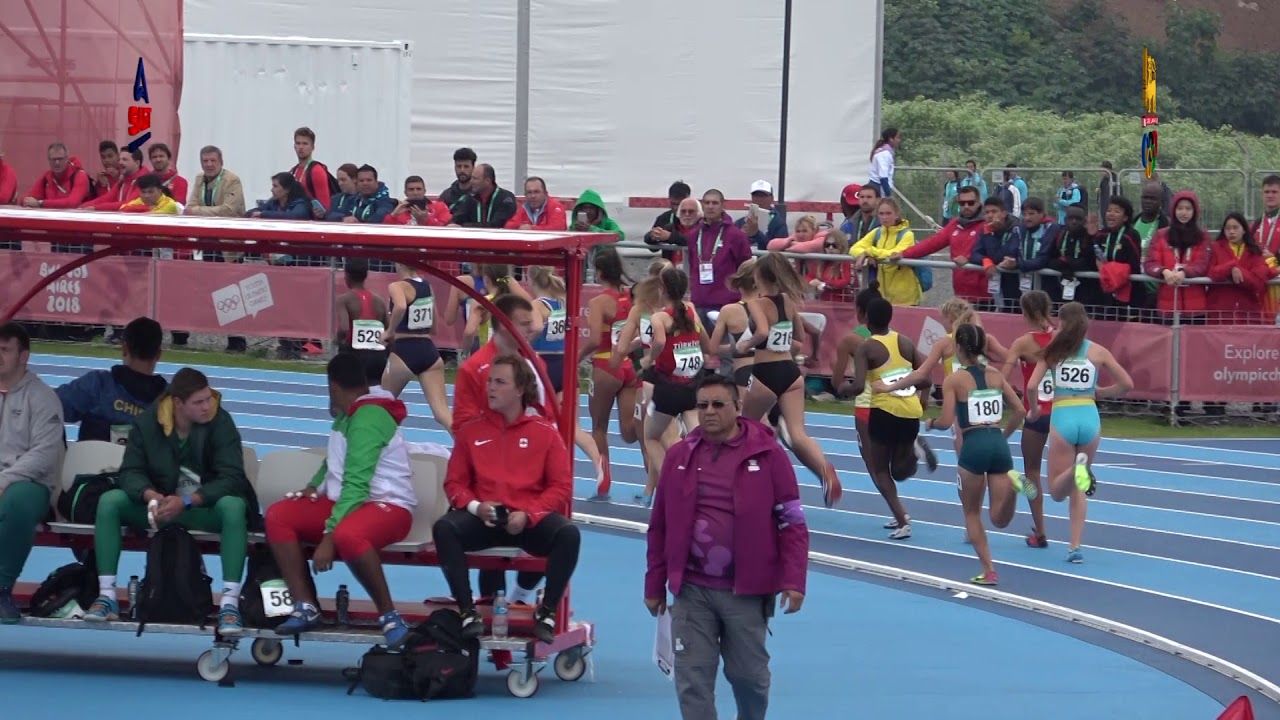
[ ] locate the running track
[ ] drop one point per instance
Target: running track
(1183, 538)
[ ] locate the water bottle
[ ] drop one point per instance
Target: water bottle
(500, 619)
(343, 601)
(134, 586)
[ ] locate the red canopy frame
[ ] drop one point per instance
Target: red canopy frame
(416, 247)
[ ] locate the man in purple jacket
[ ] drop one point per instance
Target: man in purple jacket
(716, 248)
(727, 535)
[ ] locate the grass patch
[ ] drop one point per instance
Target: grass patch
(1112, 426)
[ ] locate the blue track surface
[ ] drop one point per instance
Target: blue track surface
(1183, 541)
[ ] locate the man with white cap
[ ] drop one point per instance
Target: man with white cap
(762, 197)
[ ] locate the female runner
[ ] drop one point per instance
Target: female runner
(549, 309)
(974, 398)
(1075, 428)
(734, 322)
(606, 313)
(845, 351)
(675, 360)
(413, 352)
(1024, 352)
(777, 377)
(490, 281)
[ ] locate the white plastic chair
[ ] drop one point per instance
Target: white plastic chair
(251, 466)
(428, 487)
(284, 471)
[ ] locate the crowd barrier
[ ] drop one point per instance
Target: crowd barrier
(1211, 363)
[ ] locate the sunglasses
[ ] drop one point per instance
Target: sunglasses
(717, 404)
(967, 203)
(829, 246)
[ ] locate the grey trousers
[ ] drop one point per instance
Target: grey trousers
(707, 625)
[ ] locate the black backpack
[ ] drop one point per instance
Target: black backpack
(79, 503)
(75, 581)
(176, 588)
(254, 603)
(334, 190)
(436, 664)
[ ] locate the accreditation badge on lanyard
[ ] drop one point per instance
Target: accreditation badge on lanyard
(706, 275)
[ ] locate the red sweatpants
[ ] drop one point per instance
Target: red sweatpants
(371, 526)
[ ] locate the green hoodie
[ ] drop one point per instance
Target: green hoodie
(607, 224)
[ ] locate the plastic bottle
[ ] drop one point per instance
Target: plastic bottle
(134, 587)
(500, 618)
(343, 601)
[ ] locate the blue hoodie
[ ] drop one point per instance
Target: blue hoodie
(376, 207)
(101, 399)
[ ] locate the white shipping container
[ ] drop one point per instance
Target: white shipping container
(247, 94)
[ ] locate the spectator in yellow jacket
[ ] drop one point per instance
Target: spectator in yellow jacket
(151, 198)
(898, 284)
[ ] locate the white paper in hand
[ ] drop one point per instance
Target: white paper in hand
(664, 654)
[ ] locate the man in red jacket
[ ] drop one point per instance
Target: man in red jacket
(470, 387)
(509, 483)
(727, 535)
(65, 186)
(960, 236)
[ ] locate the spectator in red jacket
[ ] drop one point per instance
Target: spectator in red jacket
(8, 182)
(416, 208)
(313, 175)
(959, 236)
(1180, 251)
(125, 187)
(829, 279)
(509, 484)
(1238, 262)
(538, 211)
(64, 186)
(161, 158)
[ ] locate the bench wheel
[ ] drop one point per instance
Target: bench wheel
(521, 687)
(571, 664)
(266, 651)
(211, 670)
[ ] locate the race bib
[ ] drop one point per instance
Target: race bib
(616, 334)
(1076, 374)
(366, 334)
(1024, 283)
(986, 407)
(993, 284)
(1045, 391)
(276, 601)
(422, 313)
(688, 357)
(705, 274)
(639, 411)
(1069, 290)
(893, 376)
(120, 434)
(780, 336)
(557, 325)
(646, 332)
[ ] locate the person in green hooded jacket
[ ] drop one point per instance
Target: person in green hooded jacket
(590, 215)
(183, 465)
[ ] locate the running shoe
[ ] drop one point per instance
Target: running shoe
(604, 480)
(1037, 541)
(1075, 556)
(1084, 475)
(394, 631)
(9, 613)
(783, 433)
(104, 609)
(893, 523)
(1022, 487)
(544, 625)
(901, 533)
(229, 622)
(986, 578)
(925, 453)
(831, 489)
(304, 618)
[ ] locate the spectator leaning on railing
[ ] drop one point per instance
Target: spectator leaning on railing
(374, 201)
(416, 208)
(64, 186)
(898, 284)
(959, 237)
(486, 205)
(668, 223)
(716, 248)
(538, 211)
(1177, 253)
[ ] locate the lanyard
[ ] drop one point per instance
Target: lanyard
(1029, 251)
(1237, 249)
(364, 208)
(1275, 221)
(702, 245)
(1110, 252)
(480, 204)
(211, 193)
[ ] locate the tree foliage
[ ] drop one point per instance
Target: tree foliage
(1076, 60)
(946, 133)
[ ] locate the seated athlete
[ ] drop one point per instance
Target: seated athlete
(183, 465)
(360, 501)
(509, 484)
(106, 402)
